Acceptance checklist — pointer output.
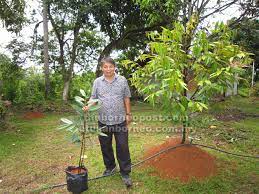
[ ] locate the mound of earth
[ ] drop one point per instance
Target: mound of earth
(183, 163)
(33, 115)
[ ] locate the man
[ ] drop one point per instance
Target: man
(115, 113)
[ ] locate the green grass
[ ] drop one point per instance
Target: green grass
(41, 153)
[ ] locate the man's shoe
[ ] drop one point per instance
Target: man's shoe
(109, 172)
(127, 180)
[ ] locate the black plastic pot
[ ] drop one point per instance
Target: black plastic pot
(77, 181)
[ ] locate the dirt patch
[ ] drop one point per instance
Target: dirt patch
(77, 170)
(185, 163)
(33, 115)
(231, 115)
(234, 115)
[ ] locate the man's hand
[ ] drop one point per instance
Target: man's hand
(85, 108)
(128, 119)
(90, 103)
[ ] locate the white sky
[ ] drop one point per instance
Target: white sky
(27, 32)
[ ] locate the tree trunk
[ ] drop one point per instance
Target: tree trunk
(184, 132)
(235, 87)
(66, 90)
(46, 54)
(68, 77)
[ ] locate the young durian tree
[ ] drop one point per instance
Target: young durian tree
(81, 125)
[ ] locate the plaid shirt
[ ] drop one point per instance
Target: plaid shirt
(112, 96)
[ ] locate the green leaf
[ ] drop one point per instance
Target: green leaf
(203, 105)
(190, 104)
(83, 93)
(64, 126)
(71, 128)
(78, 109)
(102, 134)
(67, 121)
(80, 99)
(75, 138)
(79, 102)
(199, 107)
(92, 101)
(94, 107)
(100, 129)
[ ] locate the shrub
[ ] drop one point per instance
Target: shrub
(30, 89)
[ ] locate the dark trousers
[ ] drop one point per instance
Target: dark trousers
(120, 133)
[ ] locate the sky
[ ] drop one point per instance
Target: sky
(27, 32)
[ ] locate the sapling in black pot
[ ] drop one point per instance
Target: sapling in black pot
(81, 129)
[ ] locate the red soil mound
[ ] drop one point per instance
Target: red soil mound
(185, 163)
(33, 115)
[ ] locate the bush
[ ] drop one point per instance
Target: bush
(3, 111)
(30, 89)
(83, 81)
(56, 83)
(10, 74)
(255, 89)
(4, 104)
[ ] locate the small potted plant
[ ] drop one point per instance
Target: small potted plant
(81, 129)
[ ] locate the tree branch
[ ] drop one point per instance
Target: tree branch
(34, 40)
(222, 8)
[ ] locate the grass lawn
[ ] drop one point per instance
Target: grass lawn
(34, 154)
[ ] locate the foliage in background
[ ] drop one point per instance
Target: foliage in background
(20, 50)
(30, 89)
(255, 90)
(74, 36)
(209, 67)
(125, 23)
(12, 14)
(247, 36)
(3, 111)
(26, 86)
(129, 54)
(10, 74)
(83, 81)
(21, 86)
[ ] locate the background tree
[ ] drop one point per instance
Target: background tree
(126, 24)
(46, 48)
(194, 14)
(247, 36)
(12, 14)
(10, 73)
(164, 13)
(201, 10)
(71, 26)
(211, 69)
(20, 51)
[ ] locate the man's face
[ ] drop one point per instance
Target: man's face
(108, 69)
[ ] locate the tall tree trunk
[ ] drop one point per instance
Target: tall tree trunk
(46, 49)
(68, 78)
(66, 89)
(187, 13)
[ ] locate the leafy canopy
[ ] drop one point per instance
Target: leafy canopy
(181, 82)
